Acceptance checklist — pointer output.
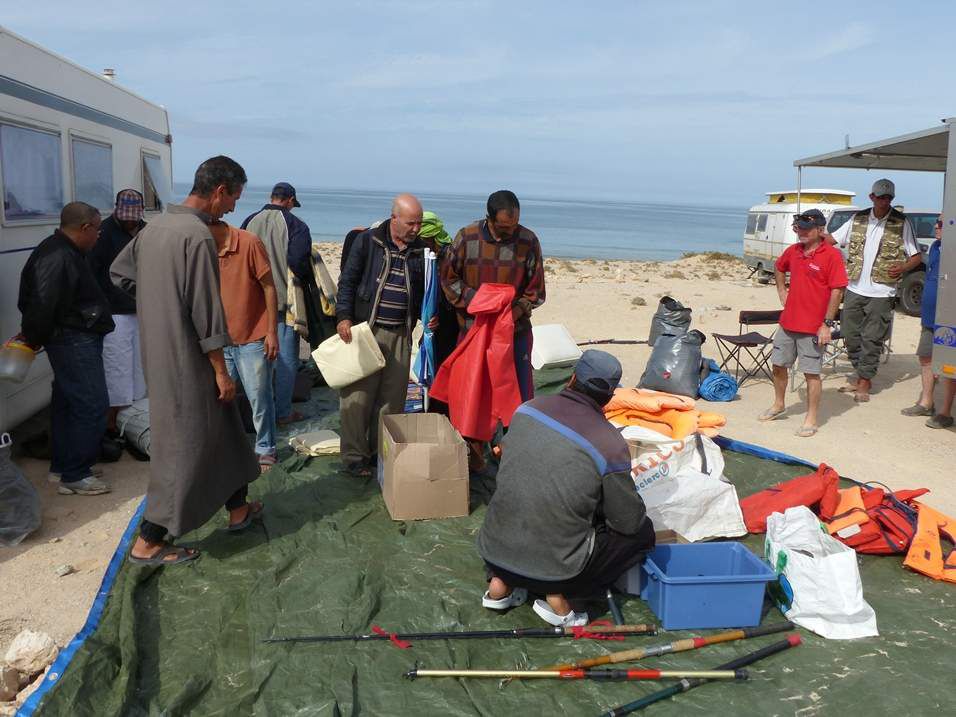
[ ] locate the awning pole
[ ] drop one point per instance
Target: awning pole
(799, 185)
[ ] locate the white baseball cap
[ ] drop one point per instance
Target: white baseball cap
(882, 188)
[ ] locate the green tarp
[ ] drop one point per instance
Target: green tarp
(328, 559)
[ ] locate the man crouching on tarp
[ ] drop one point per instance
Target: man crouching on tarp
(565, 520)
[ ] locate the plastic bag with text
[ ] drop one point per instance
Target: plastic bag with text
(683, 485)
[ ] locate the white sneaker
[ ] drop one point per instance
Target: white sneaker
(518, 596)
(572, 619)
(88, 486)
(96, 470)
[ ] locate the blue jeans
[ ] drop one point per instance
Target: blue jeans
(79, 404)
(287, 366)
(248, 365)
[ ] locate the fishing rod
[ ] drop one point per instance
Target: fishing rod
(617, 675)
(619, 342)
(690, 643)
(612, 605)
(588, 631)
(689, 684)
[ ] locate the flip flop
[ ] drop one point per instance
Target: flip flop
(848, 388)
(771, 415)
(861, 397)
(806, 431)
(183, 555)
(254, 512)
(293, 417)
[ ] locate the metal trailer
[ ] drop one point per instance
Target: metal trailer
(931, 150)
(65, 134)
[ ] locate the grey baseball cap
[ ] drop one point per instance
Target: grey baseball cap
(598, 370)
(883, 188)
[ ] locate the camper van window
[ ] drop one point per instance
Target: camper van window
(93, 173)
(155, 183)
(751, 223)
(762, 223)
(32, 178)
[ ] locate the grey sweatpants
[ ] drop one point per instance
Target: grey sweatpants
(865, 324)
(362, 403)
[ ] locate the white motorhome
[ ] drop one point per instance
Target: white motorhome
(66, 134)
(769, 228)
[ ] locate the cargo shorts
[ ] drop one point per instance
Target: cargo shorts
(788, 345)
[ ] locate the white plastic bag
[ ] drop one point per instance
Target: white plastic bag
(683, 486)
(19, 501)
(822, 575)
(342, 364)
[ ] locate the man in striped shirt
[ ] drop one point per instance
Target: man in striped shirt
(499, 250)
(383, 283)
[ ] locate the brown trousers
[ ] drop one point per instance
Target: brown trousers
(362, 403)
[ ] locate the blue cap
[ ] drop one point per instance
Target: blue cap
(598, 370)
(284, 190)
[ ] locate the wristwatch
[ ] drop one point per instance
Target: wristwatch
(830, 322)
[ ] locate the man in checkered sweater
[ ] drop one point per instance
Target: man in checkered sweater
(498, 250)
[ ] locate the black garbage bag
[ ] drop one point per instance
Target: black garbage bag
(675, 364)
(19, 501)
(671, 317)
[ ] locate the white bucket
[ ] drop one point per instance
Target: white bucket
(553, 347)
(343, 363)
(15, 361)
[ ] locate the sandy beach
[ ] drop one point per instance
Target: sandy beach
(594, 300)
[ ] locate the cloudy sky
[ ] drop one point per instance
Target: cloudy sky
(698, 102)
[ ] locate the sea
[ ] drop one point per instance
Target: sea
(567, 228)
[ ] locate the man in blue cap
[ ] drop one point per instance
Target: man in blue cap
(288, 243)
(565, 520)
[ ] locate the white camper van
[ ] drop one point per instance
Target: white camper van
(769, 226)
(66, 134)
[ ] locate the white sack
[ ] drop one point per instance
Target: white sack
(683, 486)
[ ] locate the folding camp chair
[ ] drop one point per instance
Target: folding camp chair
(748, 353)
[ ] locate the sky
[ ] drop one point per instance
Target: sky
(678, 102)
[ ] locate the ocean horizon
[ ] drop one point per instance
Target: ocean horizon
(567, 228)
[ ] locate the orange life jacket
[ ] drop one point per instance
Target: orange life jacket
(926, 551)
(816, 489)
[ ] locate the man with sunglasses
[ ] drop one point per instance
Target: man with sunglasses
(880, 248)
(810, 303)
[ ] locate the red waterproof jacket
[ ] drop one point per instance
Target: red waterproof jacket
(817, 490)
(478, 381)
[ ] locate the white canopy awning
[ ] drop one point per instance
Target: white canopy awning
(920, 152)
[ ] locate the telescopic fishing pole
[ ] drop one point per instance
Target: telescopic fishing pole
(689, 684)
(631, 675)
(588, 631)
(691, 643)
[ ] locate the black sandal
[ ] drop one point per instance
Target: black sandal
(183, 555)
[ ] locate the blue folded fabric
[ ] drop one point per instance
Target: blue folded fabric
(718, 386)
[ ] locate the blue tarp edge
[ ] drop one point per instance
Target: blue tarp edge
(752, 449)
(92, 620)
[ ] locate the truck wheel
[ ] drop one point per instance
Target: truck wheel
(911, 292)
(763, 277)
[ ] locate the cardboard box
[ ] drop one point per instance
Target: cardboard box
(630, 582)
(422, 467)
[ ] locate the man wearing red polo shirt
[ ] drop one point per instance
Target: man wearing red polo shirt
(817, 279)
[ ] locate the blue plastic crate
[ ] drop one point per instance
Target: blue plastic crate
(705, 585)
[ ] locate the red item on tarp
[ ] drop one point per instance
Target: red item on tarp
(891, 525)
(479, 381)
(817, 490)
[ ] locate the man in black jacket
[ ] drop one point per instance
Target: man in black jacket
(121, 354)
(64, 309)
(383, 283)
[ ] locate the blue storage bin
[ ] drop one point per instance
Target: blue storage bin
(705, 585)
